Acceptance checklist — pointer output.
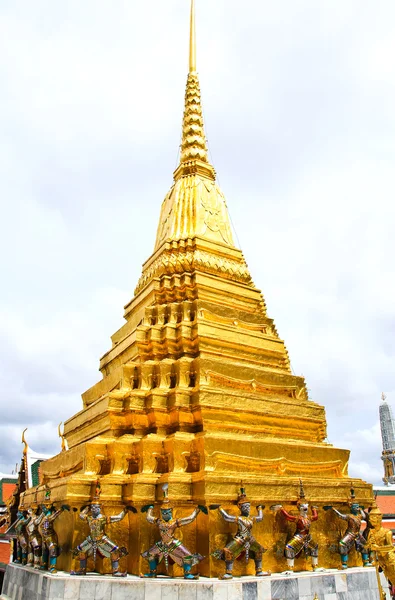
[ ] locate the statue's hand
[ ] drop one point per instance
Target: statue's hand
(84, 507)
(316, 507)
(327, 507)
(203, 509)
(131, 509)
(261, 506)
(214, 506)
(65, 507)
(146, 507)
(276, 507)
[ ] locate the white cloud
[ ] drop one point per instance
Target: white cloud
(364, 444)
(367, 472)
(298, 100)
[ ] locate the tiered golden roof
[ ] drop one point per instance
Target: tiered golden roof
(197, 388)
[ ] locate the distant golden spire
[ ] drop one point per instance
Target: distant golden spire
(194, 153)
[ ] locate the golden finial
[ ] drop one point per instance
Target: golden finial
(61, 435)
(24, 442)
(316, 597)
(192, 40)
(383, 397)
(194, 153)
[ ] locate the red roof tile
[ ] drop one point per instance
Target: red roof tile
(386, 504)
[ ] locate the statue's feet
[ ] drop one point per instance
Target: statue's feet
(150, 575)
(263, 573)
(227, 576)
(288, 572)
(368, 564)
(17, 562)
(344, 567)
(318, 569)
(119, 574)
(29, 564)
(43, 568)
(53, 570)
(37, 567)
(78, 573)
(190, 576)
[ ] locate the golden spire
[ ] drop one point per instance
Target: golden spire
(192, 40)
(194, 153)
(195, 205)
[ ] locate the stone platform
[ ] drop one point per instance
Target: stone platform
(23, 583)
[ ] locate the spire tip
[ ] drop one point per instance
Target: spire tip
(192, 40)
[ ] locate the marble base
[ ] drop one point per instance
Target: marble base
(23, 583)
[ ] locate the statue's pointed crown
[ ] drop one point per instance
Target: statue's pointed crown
(242, 496)
(374, 509)
(166, 504)
(47, 497)
(352, 499)
(302, 495)
(96, 493)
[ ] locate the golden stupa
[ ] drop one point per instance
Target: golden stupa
(197, 391)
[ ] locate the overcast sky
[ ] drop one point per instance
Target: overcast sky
(299, 101)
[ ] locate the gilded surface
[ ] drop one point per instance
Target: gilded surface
(379, 544)
(197, 391)
(195, 205)
(177, 261)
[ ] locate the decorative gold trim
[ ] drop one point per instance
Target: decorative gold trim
(178, 261)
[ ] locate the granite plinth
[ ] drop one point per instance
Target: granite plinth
(23, 583)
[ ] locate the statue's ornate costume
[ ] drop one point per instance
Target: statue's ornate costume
(169, 547)
(97, 541)
(35, 541)
(353, 534)
(243, 543)
(301, 540)
(45, 523)
(22, 537)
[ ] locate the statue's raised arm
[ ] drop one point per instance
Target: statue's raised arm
(190, 518)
